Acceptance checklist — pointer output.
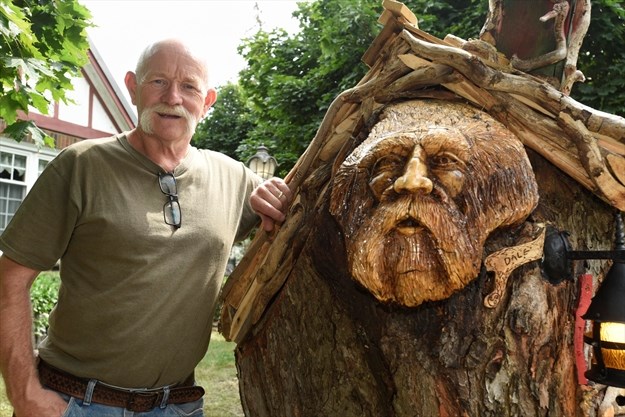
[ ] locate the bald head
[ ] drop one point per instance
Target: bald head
(171, 47)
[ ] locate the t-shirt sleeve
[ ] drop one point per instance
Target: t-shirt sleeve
(40, 230)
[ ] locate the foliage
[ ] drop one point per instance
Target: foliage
(227, 124)
(43, 45)
(290, 80)
(463, 18)
(602, 59)
(43, 295)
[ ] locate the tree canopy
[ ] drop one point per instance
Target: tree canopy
(290, 80)
(43, 44)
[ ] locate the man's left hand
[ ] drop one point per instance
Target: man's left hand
(270, 201)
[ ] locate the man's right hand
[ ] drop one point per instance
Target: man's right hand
(41, 402)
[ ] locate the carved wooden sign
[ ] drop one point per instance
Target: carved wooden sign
(506, 260)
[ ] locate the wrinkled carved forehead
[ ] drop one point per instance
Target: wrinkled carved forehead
(433, 139)
(417, 119)
(498, 173)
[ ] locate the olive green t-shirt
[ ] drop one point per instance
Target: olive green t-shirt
(137, 296)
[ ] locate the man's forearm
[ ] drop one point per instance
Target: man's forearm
(17, 362)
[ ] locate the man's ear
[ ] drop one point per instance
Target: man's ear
(209, 100)
(131, 84)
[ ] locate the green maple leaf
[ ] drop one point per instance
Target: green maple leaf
(22, 129)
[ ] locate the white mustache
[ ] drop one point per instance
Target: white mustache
(146, 116)
(179, 111)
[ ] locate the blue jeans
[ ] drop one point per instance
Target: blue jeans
(85, 408)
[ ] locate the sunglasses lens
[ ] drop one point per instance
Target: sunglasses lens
(171, 210)
(168, 184)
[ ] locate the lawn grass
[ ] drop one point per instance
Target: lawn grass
(216, 373)
(5, 408)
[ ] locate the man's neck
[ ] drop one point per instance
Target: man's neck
(168, 154)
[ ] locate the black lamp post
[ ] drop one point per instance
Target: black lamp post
(262, 163)
(607, 309)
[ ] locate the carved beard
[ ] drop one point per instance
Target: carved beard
(413, 250)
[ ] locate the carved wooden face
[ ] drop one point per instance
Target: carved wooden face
(419, 197)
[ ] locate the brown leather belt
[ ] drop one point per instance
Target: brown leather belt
(137, 401)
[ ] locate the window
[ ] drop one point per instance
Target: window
(12, 185)
(19, 168)
(42, 165)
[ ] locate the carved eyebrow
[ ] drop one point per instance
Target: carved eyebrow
(449, 141)
(400, 146)
(434, 141)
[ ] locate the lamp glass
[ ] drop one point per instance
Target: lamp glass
(608, 361)
(262, 163)
(613, 333)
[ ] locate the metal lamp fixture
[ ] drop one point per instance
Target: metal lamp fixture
(607, 309)
(262, 163)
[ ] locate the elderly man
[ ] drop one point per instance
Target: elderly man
(143, 224)
(420, 196)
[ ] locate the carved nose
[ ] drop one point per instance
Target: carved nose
(415, 179)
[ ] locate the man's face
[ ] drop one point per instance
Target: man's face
(172, 96)
(409, 203)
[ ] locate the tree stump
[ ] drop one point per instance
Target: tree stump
(314, 341)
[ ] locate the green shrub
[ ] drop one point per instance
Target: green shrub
(43, 295)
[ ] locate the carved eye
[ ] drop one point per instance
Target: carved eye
(446, 161)
(384, 173)
(449, 172)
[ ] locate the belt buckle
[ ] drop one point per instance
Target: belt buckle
(147, 401)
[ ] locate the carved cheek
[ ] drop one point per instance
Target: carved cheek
(452, 181)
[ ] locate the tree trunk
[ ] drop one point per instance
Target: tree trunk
(325, 347)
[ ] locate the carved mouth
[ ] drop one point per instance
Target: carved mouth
(408, 226)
